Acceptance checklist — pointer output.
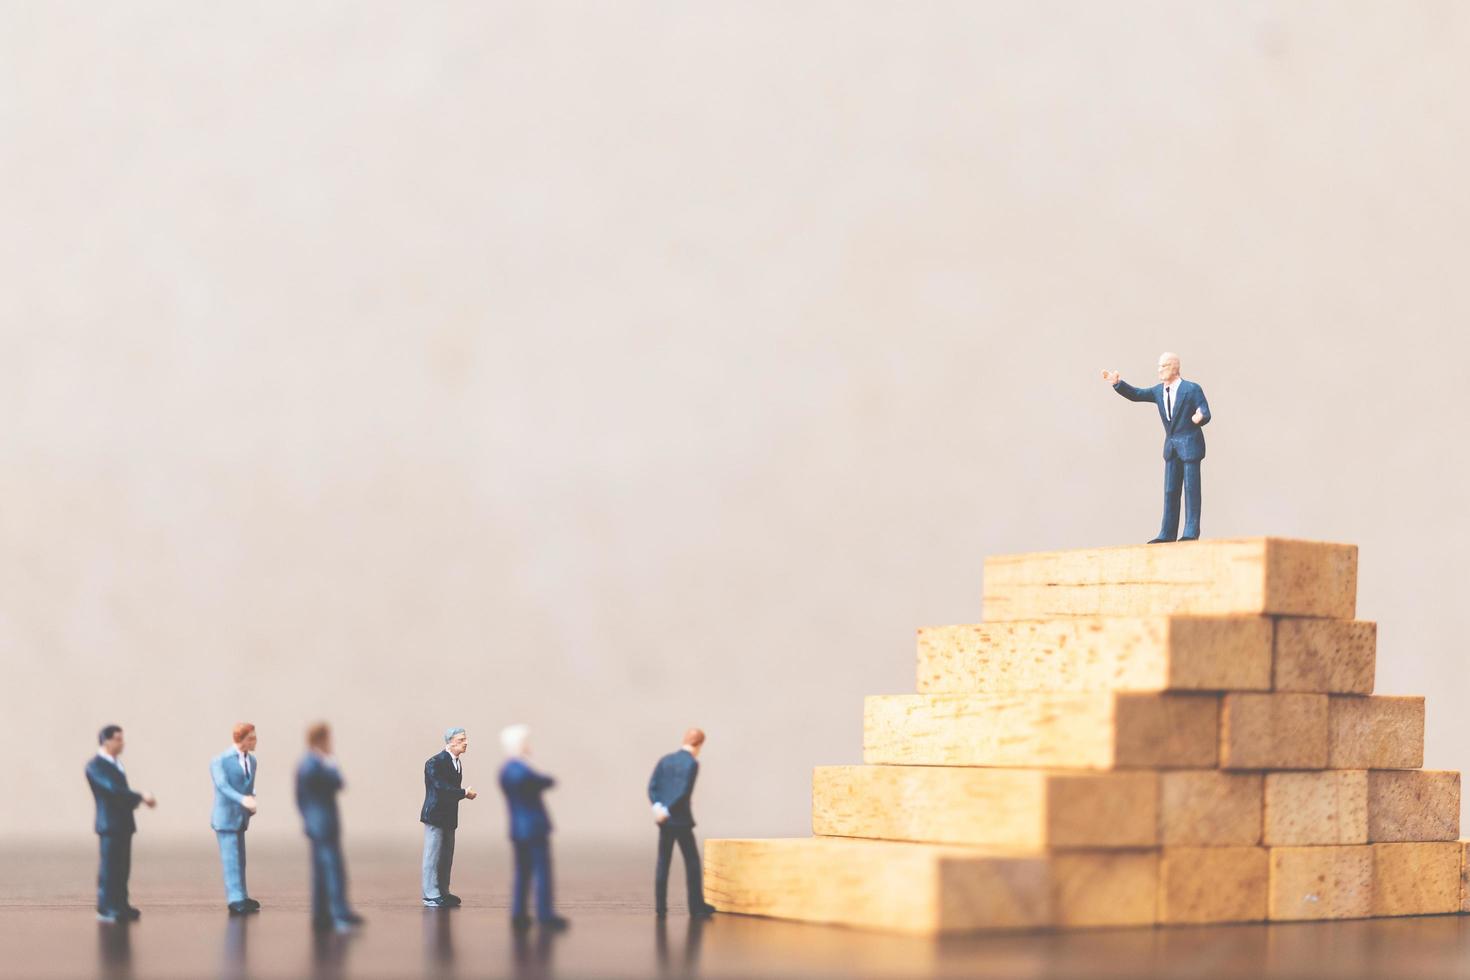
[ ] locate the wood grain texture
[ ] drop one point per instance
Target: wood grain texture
(1209, 807)
(1325, 807)
(1413, 805)
(1416, 878)
(1375, 732)
(996, 807)
(1321, 882)
(1063, 731)
(926, 888)
(1273, 731)
(1249, 576)
(1213, 884)
(1331, 656)
(1151, 653)
(1464, 875)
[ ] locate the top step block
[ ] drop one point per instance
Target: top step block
(1243, 576)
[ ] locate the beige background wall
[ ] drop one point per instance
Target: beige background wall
(616, 367)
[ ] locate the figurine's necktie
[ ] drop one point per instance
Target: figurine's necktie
(245, 765)
(1169, 404)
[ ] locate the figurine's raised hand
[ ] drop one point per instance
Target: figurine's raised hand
(469, 793)
(1111, 377)
(149, 801)
(1198, 416)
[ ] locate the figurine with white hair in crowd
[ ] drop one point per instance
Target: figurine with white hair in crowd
(530, 831)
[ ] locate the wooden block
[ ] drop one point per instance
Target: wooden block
(929, 888)
(1416, 879)
(1325, 807)
(1153, 653)
(1060, 731)
(1023, 808)
(1330, 656)
(1248, 576)
(1413, 805)
(1464, 876)
(1375, 732)
(1213, 884)
(1321, 882)
(1273, 731)
(1209, 807)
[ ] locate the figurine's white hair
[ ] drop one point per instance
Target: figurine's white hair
(449, 734)
(513, 738)
(1169, 355)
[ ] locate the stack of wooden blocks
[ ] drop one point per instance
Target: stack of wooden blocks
(1158, 734)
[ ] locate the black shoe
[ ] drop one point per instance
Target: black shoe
(240, 908)
(131, 914)
(520, 923)
(703, 912)
(435, 903)
(1187, 538)
(555, 924)
(450, 900)
(1161, 541)
(254, 905)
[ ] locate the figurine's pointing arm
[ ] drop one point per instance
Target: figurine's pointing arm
(1127, 390)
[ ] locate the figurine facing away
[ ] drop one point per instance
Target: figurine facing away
(1184, 412)
(671, 790)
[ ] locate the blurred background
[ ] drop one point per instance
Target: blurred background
(620, 367)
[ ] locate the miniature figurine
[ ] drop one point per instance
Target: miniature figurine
(233, 772)
(671, 791)
(1184, 411)
(530, 831)
(115, 826)
(318, 781)
(440, 816)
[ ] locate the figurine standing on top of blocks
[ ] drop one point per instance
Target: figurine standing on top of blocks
(233, 774)
(1184, 412)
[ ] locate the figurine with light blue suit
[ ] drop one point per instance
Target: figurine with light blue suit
(233, 773)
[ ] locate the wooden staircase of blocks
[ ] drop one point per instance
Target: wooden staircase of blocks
(1157, 734)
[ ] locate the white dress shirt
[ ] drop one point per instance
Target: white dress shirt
(112, 759)
(455, 759)
(244, 761)
(1171, 398)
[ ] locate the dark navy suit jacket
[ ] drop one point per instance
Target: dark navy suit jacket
(442, 792)
(523, 787)
(1182, 437)
(317, 785)
(672, 784)
(115, 800)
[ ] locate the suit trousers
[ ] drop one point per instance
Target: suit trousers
(438, 858)
(1180, 475)
(328, 883)
(693, 875)
(114, 866)
(232, 860)
(533, 861)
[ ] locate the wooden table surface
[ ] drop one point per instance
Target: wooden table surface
(47, 929)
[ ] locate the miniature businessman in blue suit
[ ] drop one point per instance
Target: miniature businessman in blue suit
(116, 802)
(671, 790)
(443, 789)
(318, 781)
(530, 831)
(233, 773)
(1184, 412)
